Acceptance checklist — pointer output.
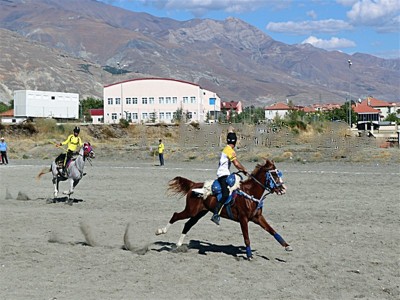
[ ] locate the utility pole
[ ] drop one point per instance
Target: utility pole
(122, 95)
(350, 63)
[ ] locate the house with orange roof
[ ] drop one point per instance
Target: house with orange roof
(384, 107)
(278, 109)
(231, 106)
(367, 116)
(326, 106)
(8, 117)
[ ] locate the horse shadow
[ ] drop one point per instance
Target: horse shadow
(65, 199)
(203, 248)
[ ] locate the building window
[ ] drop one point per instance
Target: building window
(134, 116)
(189, 115)
(168, 116)
(151, 100)
(129, 117)
(162, 115)
(144, 100)
(145, 116)
(161, 100)
(117, 101)
(134, 101)
(192, 100)
(110, 101)
(174, 100)
(113, 116)
(185, 99)
(168, 100)
(128, 101)
(152, 116)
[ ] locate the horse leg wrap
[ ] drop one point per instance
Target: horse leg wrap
(248, 252)
(180, 242)
(279, 239)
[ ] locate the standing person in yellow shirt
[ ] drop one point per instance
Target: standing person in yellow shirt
(161, 152)
(228, 157)
(73, 142)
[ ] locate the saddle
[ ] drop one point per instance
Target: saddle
(62, 170)
(214, 188)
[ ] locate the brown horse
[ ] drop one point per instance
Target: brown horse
(247, 206)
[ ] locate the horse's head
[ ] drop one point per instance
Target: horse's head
(271, 177)
(88, 150)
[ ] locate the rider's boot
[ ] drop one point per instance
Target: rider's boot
(216, 218)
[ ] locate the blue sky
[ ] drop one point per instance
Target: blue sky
(350, 26)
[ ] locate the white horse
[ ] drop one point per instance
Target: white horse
(74, 171)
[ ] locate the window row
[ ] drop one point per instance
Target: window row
(150, 116)
(150, 100)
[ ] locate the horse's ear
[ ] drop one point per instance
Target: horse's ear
(269, 163)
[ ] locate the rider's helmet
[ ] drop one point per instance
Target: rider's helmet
(231, 138)
(77, 129)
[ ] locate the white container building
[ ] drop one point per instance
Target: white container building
(46, 104)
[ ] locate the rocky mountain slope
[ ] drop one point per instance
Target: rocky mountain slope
(231, 57)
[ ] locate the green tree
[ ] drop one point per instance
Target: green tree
(340, 114)
(392, 118)
(87, 104)
(4, 107)
(178, 115)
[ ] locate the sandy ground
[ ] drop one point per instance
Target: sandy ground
(342, 221)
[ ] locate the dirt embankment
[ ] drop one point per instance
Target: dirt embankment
(328, 142)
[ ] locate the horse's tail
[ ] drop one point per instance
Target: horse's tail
(42, 172)
(182, 186)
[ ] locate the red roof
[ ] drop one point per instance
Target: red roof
(278, 106)
(373, 102)
(7, 113)
(96, 112)
(363, 108)
(307, 109)
(231, 104)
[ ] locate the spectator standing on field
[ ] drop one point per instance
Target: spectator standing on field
(3, 151)
(161, 152)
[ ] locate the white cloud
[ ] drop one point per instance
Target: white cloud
(332, 44)
(307, 27)
(312, 14)
(381, 14)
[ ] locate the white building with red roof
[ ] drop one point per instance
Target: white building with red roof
(384, 107)
(275, 110)
(97, 115)
(232, 106)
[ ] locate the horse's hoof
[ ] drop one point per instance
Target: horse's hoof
(160, 231)
(288, 248)
(250, 258)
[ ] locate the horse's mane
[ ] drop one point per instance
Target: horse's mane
(268, 165)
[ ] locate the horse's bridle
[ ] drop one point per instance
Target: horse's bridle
(270, 182)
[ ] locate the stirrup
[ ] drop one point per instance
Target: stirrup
(215, 218)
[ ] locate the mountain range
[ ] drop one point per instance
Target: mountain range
(81, 45)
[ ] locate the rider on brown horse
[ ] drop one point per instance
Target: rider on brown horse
(227, 157)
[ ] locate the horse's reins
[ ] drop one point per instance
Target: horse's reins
(263, 186)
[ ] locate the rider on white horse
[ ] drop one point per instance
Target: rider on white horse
(73, 142)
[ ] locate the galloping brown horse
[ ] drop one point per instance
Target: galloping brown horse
(247, 206)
